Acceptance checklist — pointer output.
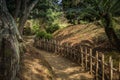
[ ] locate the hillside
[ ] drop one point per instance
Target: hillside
(91, 35)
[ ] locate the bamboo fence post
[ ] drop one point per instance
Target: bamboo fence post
(111, 67)
(71, 53)
(86, 58)
(43, 44)
(91, 61)
(119, 69)
(76, 51)
(96, 71)
(38, 44)
(82, 57)
(47, 45)
(51, 45)
(54, 43)
(64, 52)
(103, 66)
(55, 47)
(59, 48)
(67, 53)
(74, 54)
(78, 56)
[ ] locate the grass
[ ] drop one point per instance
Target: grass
(90, 34)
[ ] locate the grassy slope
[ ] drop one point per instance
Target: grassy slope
(91, 35)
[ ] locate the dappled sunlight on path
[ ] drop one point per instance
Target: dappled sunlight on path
(64, 68)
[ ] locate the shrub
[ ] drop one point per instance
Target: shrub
(35, 29)
(48, 36)
(52, 28)
(44, 35)
(40, 34)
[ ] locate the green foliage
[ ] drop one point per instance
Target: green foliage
(52, 28)
(48, 36)
(35, 29)
(48, 11)
(44, 35)
(35, 25)
(40, 34)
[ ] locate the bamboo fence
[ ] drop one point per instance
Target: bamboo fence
(94, 63)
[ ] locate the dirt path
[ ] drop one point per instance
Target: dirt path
(64, 69)
(34, 66)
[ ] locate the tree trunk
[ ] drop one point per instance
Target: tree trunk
(17, 9)
(26, 12)
(110, 32)
(9, 45)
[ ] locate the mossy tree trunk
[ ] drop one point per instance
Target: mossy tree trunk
(26, 9)
(9, 45)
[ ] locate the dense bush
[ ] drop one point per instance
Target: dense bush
(35, 29)
(48, 36)
(40, 34)
(43, 35)
(52, 28)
